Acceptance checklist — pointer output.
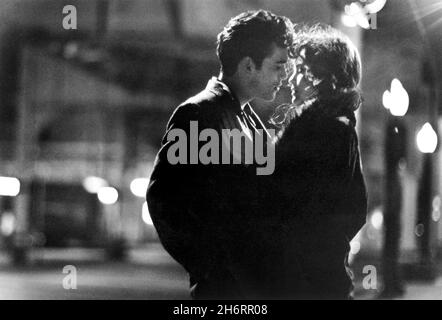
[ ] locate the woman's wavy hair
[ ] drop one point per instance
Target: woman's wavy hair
(332, 64)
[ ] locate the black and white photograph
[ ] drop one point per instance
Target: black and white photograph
(245, 151)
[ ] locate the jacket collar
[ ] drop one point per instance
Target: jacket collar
(220, 89)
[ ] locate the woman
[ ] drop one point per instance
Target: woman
(318, 185)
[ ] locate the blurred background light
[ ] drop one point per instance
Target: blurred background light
(355, 247)
(7, 224)
(353, 9)
(94, 184)
(356, 14)
(375, 6)
(146, 215)
(138, 187)
(419, 230)
(435, 215)
(436, 209)
(9, 186)
(401, 99)
(386, 99)
(108, 195)
(377, 219)
(426, 139)
(348, 21)
(362, 21)
(397, 99)
(436, 203)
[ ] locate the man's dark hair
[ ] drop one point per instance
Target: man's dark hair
(252, 34)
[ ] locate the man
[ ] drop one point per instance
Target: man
(203, 213)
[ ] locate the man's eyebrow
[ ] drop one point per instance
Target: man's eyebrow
(282, 61)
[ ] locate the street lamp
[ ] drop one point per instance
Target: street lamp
(396, 100)
(9, 186)
(427, 141)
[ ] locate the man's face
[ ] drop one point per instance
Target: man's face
(267, 80)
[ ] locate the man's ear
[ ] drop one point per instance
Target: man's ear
(246, 65)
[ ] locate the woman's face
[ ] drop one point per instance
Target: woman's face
(302, 88)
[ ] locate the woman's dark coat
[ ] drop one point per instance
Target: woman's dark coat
(319, 192)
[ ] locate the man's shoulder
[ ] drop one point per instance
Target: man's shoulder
(204, 104)
(207, 99)
(202, 98)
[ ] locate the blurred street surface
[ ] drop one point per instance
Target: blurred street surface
(417, 283)
(148, 273)
(413, 290)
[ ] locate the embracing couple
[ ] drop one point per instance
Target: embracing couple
(284, 235)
